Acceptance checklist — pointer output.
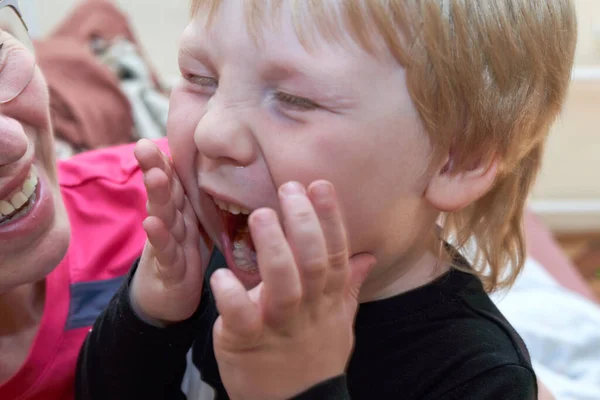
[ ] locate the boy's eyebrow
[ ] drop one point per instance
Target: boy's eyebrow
(194, 52)
(190, 47)
(195, 42)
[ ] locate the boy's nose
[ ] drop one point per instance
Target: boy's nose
(222, 135)
(13, 141)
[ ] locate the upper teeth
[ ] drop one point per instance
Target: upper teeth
(232, 208)
(21, 196)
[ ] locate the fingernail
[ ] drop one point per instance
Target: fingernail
(263, 216)
(322, 189)
(217, 276)
(220, 278)
(292, 189)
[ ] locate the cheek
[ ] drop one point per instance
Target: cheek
(32, 106)
(184, 115)
(185, 111)
(376, 171)
(339, 154)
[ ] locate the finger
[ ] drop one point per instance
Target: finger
(281, 280)
(197, 250)
(161, 204)
(360, 267)
(158, 186)
(323, 198)
(305, 236)
(192, 228)
(165, 250)
(173, 220)
(149, 156)
(177, 192)
(239, 313)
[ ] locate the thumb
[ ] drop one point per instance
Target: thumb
(237, 311)
(360, 267)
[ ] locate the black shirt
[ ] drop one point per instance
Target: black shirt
(445, 340)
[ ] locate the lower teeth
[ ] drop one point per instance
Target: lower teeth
(244, 257)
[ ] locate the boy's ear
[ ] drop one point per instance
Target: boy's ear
(451, 191)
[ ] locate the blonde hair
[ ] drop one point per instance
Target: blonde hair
(488, 79)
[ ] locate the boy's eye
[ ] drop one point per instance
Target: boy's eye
(204, 81)
(295, 102)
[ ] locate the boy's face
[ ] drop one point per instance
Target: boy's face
(249, 117)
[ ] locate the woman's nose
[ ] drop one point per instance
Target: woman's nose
(13, 141)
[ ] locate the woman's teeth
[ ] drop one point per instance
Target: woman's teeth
(13, 203)
(232, 208)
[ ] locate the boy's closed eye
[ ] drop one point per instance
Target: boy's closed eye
(208, 85)
(295, 103)
(201, 83)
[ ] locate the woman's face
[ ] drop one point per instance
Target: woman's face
(34, 227)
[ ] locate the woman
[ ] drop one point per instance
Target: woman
(67, 234)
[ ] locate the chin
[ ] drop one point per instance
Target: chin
(35, 265)
(37, 241)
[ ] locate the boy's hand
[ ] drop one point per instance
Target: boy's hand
(296, 328)
(167, 285)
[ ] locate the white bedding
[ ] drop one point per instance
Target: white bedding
(561, 330)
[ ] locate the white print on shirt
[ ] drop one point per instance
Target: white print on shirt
(192, 385)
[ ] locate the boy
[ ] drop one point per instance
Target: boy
(358, 124)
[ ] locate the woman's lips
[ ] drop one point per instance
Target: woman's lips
(38, 218)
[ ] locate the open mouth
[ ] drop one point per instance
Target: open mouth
(20, 202)
(235, 221)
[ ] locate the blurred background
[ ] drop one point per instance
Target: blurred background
(158, 23)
